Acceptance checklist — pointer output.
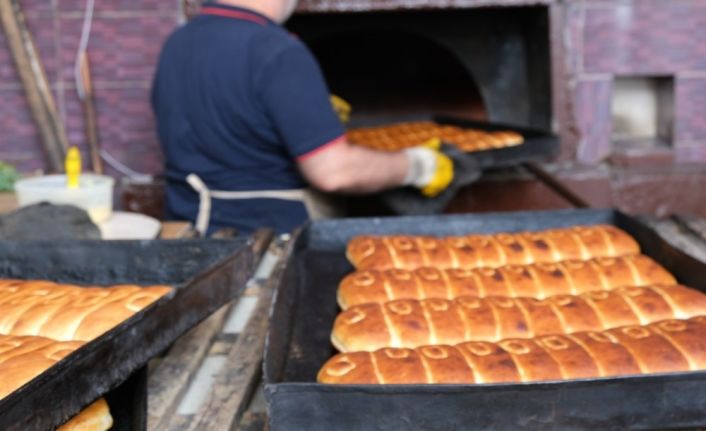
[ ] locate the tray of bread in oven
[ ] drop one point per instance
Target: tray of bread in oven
(79, 318)
(489, 144)
(575, 319)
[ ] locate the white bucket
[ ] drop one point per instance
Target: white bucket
(94, 194)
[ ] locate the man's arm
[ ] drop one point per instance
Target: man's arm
(345, 168)
(295, 97)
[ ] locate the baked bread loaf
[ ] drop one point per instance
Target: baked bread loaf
(395, 137)
(24, 358)
(95, 417)
(476, 251)
(666, 346)
(539, 280)
(65, 312)
(412, 323)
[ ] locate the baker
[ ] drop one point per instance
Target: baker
(248, 130)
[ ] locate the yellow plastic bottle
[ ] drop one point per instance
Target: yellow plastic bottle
(72, 165)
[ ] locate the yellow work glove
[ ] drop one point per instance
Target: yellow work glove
(430, 170)
(343, 109)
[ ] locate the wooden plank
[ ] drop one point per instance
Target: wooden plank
(171, 378)
(175, 229)
(253, 422)
(222, 345)
(34, 81)
(179, 423)
(90, 117)
(236, 383)
(216, 344)
(262, 242)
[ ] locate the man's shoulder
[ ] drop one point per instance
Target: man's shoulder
(274, 38)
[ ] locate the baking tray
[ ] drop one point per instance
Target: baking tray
(539, 145)
(205, 273)
(305, 307)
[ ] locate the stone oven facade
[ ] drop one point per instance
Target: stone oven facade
(573, 66)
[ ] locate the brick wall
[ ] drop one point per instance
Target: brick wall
(604, 39)
(593, 42)
(124, 45)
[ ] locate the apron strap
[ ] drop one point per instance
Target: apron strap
(296, 195)
(204, 215)
(206, 195)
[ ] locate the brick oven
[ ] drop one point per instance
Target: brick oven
(578, 68)
(476, 63)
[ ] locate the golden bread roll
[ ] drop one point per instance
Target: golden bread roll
(478, 251)
(66, 312)
(412, 323)
(24, 358)
(666, 346)
(95, 417)
(539, 280)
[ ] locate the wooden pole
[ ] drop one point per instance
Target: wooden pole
(89, 115)
(34, 81)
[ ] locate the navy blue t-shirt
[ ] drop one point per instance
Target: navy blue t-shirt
(238, 100)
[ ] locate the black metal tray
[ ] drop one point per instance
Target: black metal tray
(205, 273)
(305, 307)
(539, 145)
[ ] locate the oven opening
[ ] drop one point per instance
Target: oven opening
(486, 64)
(388, 75)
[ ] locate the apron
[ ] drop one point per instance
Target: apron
(317, 205)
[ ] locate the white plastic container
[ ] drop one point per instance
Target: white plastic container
(94, 194)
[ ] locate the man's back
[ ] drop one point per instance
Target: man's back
(228, 95)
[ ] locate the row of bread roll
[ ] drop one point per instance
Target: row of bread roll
(539, 280)
(413, 323)
(493, 250)
(41, 322)
(666, 346)
(24, 358)
(65, 312)
(396, 137)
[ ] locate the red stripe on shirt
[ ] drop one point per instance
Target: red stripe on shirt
(234, 14)
(341, 139)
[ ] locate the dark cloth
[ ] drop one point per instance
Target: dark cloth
(238, 100)
(48, 222)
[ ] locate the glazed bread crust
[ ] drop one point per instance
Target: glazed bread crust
(95, 417)
(539, 281)
(414, 323)
(42, 322)
(24, 358)
(666, 346)
(66, 312)
(492, 251)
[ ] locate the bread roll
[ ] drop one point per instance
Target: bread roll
(412, 323)
(666, 346)
(476, 251)
(65, 312)
(24, 358)
(95, 417)
(539, 280)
